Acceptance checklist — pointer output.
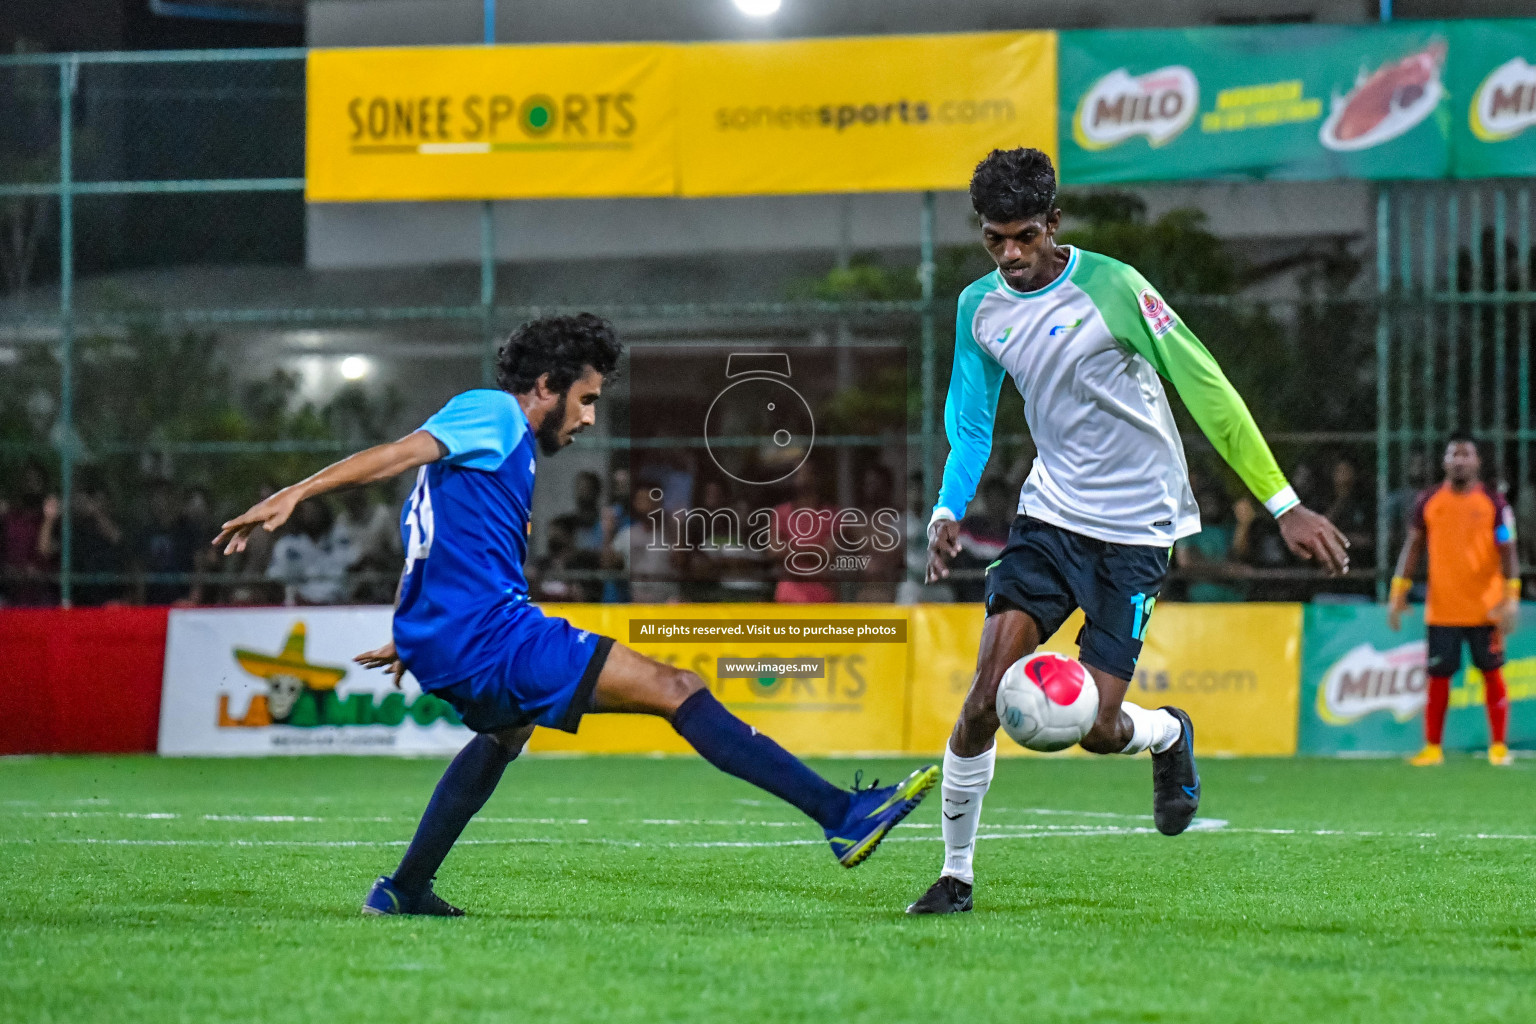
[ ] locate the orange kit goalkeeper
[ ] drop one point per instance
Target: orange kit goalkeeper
(1474, 590)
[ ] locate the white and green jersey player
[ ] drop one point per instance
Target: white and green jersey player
(1086, 352)
(1088, 343)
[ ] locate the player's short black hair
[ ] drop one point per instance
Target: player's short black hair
(1462, 437)
(1013, 184)
(561, 346)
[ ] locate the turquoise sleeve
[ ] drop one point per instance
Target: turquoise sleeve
(479, 428)
(969, 413)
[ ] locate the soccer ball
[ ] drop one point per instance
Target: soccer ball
(1047, 701)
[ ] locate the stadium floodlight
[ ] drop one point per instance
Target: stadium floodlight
(356, 367)
(758, 8)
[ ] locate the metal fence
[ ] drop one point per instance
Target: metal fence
(100, 151)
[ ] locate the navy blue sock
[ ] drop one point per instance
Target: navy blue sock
(464, 788)
(736, 748)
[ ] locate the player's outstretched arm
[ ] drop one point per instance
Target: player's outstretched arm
(370, 466)
(1402, 576)
(970, 408)
(1140, 318)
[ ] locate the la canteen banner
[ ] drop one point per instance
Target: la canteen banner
(489, 122)
(282, 681)
(1295, 102)
(888, 113)
(1494, 83)
(1364, 686)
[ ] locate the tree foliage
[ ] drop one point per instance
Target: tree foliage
(149, 388)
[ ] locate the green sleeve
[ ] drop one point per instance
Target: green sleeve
(1137, 315)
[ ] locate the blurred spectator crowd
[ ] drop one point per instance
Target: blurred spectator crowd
(605, 548)
(157, 550)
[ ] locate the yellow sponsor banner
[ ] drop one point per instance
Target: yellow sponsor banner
(858, 706)
(1236, 668)
(483, 122)
(889, 113)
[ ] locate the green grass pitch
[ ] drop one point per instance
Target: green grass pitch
(136, 889)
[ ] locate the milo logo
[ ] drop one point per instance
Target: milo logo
(1505, 104)
(1159, 105)
(1366, 680)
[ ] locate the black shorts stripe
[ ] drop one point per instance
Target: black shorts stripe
(581, 700)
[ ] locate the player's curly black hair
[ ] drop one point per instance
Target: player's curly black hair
(561, 346)
(1013, 184)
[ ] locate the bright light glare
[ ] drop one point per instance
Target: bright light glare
(758, 8)
(355, 367)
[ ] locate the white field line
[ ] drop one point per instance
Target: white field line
(550, 841)
(267, 819)
(990, 831)
(1212, 826)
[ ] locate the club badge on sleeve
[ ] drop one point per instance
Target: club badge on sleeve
(1157, 314)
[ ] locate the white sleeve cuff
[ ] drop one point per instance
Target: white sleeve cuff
(1284, 500)
(940, 513)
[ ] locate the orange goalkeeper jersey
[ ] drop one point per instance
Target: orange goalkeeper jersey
(1463, 532)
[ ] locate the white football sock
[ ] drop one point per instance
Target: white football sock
(965, 784)
(1157, 730)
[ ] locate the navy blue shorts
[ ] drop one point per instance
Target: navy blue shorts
(1484, 643)
(545, 677)
(1047, 572)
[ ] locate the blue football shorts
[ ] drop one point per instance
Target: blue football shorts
(545, 676)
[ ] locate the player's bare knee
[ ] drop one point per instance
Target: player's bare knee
(676, 686)
(513, 740)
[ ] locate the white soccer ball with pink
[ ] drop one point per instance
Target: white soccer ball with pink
(1047, 701)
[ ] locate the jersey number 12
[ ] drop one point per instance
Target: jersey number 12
(1142, 605)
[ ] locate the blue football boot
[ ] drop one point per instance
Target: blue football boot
(384, 899)
(875, 811)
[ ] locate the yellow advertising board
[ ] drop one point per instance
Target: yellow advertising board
(1234, 668)
(892, 113)
(857, 707)
(889, 113)
(491, 122)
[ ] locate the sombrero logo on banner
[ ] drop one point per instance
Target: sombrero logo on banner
(1159, 105)
(1505, 103)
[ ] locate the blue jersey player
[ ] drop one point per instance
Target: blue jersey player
(465, 628)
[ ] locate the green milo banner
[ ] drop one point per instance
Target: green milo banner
(1295, 102)
(1493, 86)
(1363, 686)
